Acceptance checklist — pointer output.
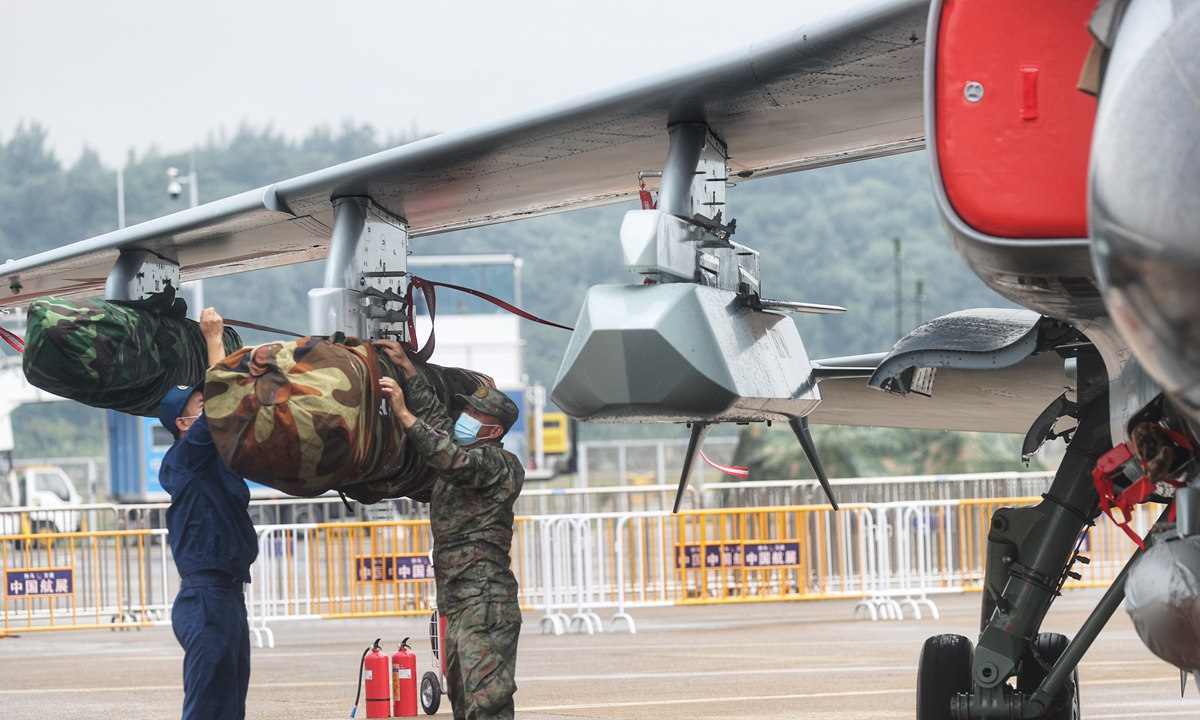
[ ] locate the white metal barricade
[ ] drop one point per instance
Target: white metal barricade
(891, 557)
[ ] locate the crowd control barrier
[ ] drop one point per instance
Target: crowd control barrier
(898, 488)
(894, 559)
(112, 579)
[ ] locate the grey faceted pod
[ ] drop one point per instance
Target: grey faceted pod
(677, 352)
(1162, 597)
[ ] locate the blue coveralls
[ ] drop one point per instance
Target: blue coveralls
(214, 544)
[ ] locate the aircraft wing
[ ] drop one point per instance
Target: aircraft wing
(1006, 400)
(844, 88)
(983, 370)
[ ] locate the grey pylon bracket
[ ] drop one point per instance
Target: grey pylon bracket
(365, 274)
(139, 273)
(686, 238)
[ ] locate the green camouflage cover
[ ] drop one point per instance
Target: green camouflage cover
(304, 417)
(115, 355)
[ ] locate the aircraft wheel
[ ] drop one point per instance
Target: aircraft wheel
(943, 672)
(431, 693)
(1030, 674)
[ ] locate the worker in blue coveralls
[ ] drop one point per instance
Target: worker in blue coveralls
(214, 544)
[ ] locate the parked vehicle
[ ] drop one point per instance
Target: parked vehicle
(44, 495)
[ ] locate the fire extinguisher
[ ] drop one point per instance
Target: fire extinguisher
(442, 641)
(404, 681)
(374, 667)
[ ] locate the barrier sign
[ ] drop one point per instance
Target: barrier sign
(39, 583)
(737, 555)
(393, 568)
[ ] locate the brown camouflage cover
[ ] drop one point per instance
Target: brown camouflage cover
(306, 416)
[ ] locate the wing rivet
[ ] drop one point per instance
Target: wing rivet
(973, 92)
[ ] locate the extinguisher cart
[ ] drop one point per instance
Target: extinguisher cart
(433, 682)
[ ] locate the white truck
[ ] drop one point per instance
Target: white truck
(45, 496)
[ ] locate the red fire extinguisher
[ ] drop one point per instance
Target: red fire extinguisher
(442, 641)
(374, 668)
(404, 681)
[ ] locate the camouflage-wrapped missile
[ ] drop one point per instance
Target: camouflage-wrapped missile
(306, 416)
(115, 355)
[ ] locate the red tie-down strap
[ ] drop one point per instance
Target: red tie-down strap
(1110, 466)
(734, 470)
(12, 339)
(645, 196)
(427, 287)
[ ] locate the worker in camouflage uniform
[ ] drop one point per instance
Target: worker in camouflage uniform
(471, 516)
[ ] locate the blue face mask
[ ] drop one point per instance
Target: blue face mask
(466, 430)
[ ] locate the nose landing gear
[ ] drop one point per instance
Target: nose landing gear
(1014, 672)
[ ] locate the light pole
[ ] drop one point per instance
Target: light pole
(899, 257)
(120, 198)
(175, 189)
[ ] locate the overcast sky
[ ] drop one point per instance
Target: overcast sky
(127, 74)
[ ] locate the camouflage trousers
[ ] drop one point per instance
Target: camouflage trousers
(481, 660)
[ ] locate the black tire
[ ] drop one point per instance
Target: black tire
(943, 672)
(431, 693)
(1030, 674)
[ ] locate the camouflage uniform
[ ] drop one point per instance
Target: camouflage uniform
(471, 516)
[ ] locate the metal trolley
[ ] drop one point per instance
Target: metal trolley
(433, 682)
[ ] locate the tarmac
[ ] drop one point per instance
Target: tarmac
(765, 660)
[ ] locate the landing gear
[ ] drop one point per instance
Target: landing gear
(1039, 658)
(1030, 551)
(943, 672)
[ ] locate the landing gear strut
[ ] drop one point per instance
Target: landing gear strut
(1029, 554)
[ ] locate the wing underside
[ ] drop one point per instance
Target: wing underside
(983, 370)
(845, 88)
(1005, 400)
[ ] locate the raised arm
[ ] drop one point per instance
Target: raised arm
(212, 327)
(418, 395)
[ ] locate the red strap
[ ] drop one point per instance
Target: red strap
(645, 196)
(13, 340)
(733, 470)
(427, 287)
(1109, 464)
(1178, 438)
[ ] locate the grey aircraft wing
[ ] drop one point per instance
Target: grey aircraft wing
(844, 88)
(983, 370)
(1005, 400)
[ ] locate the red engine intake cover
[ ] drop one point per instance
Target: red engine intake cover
(1013, 131)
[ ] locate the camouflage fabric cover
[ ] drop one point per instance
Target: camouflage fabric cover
(116, 355)
(481, 660)
(304, 417)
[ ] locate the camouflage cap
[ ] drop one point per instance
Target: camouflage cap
(491, 401)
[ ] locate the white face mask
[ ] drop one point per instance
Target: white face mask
(466, 429)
